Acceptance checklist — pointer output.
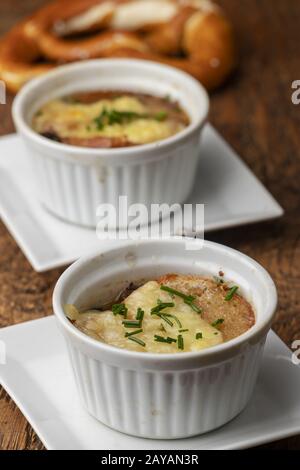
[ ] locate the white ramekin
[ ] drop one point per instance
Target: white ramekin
(164, 395)
(72, 181)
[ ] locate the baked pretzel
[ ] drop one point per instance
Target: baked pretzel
(19, 57)
(210, 63)
(49, 26)
(193, 35)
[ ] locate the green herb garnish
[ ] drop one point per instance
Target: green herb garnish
(140, 314)
(161, 306)
(119, 309)
(231, 293)
(161, 339)
(113, 116)
(137, 340)
(175, 318)
(217, 322)
(160, 116)
(199, 335)
(165, 318)
(183, 331)
(180, 342)
(188, 299)
(131, 333)
(131, 323)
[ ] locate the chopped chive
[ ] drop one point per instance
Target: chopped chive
(161, 339)
(137, 340)
(133, 332)
(171, 340)
(194, 307)
(188, 299)
(113, 116)
(131, 323)
(231, 293)
(140, 314)
(217, 322)
(175, 318)
(183, 330)
(199, 335)
(160, 116)
(120, 309)
(161, 306)
(176, 292)
(180, 342)
(165, 318)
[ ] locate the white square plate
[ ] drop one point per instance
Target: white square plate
(38, 377)
(224, 184)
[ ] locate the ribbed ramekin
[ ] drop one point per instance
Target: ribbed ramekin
(72, 181)
(164, 395)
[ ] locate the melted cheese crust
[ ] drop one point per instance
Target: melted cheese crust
(107, 327)
(76, 120)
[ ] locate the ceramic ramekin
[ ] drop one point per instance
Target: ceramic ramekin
(164, 395)
(72, 181)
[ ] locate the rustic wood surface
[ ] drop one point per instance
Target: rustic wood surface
(255, 114)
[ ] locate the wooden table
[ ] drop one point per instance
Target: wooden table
(256, 115)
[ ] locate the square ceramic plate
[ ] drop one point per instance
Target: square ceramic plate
(225, 185)
(38, 377)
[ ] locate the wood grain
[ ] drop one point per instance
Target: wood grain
(255, 114)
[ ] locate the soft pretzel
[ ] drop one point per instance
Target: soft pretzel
(47, 26)
(193, 35)
(210, 62)
(18, 58)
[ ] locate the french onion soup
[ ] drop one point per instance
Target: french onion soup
(105, 119)
(174, 313)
